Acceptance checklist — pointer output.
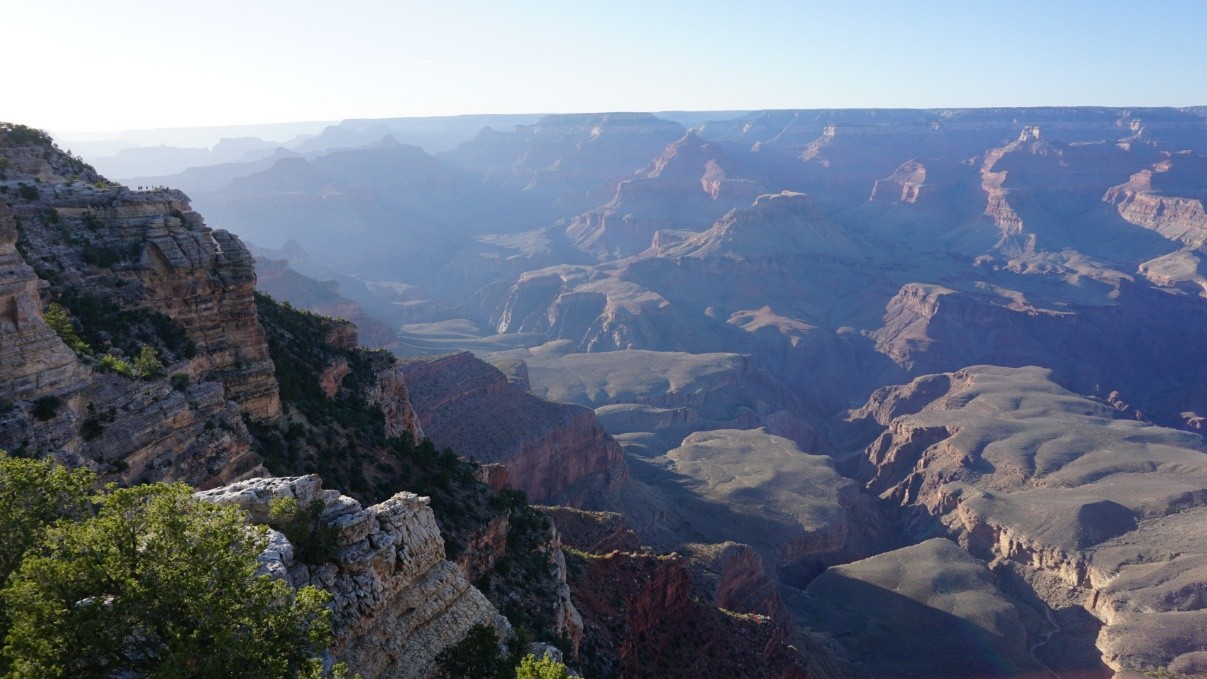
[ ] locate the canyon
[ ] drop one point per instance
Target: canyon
(825, 393)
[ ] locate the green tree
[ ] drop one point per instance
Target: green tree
(545, 668)
(478, 656)
(60, 321)
(162, 584)
(33, 495)
(147, 363)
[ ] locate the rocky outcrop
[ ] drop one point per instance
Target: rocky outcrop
(732, 576)
(333, 377)
(689, 186)
(903, 186)
(391, 395)
(34, 362)
(1048, 485)
(592, 531)
(468, 405)
(1167, 198)
(144, 271)
(397, 602)
(637, 608)
(998, 206)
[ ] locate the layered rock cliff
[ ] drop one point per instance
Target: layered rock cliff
(1053, 490)
(468, 405)
(397, 602)
(34, 362)
(1167, 198)
(134, 273)
(689, 186)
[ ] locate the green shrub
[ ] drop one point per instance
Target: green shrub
(313, 540)
(59, 321)
(156, 583)
(13, 134)
(545, 668)
(46, 407)
(147, 364)
(111, 363)
(478, 656)
(180, 381)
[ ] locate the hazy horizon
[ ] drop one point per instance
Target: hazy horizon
(140, 65)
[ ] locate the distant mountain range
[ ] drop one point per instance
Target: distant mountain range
(936, 375)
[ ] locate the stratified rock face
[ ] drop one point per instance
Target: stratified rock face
(148, 251)
(156, 271)
(34, 362)
(903, 186)
(787, 223)
(1048, 484)
(391, 395)
(468, 405)
(397, 602)
(933, 328)
(688, 187)
(1167, 198)
(929, 610)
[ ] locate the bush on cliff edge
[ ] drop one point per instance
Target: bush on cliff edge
(145, 580)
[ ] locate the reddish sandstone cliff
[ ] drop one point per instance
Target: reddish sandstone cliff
(468, 405)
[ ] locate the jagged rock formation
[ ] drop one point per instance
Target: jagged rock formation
(397, 601)
(468, 405)
(733, 576)
(34, 362)
(902, 186)
(689, 186)
(391, 395)
(1092, 512)
(136, 269)
(1167, 198)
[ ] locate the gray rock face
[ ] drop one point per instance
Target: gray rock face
(1093, 512)
(397, 601)
(34, 362)
(142, 256)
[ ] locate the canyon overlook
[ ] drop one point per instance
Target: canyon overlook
(835, 393)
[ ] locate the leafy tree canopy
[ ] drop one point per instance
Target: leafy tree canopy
(146, 581)
(544, 668)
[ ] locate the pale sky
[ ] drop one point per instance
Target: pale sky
(118, 64)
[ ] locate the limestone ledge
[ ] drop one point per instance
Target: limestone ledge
(397, 602)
